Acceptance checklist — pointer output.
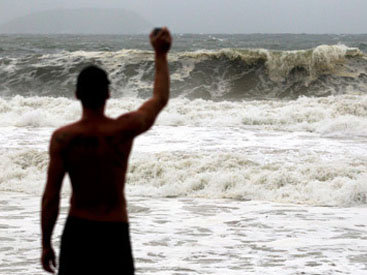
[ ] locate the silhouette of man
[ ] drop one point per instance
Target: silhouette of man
(94, 151)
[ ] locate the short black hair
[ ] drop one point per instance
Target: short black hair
(92, 87)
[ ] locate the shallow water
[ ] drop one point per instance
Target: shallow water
(201, 236)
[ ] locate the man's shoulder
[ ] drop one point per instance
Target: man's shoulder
(66, 129)
(130, 121)
(125, 118)
(63, 134)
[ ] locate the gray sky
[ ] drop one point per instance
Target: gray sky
(221, 16)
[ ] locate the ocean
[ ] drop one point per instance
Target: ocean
(258, 165)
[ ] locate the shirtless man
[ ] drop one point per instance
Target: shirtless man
(94, 151)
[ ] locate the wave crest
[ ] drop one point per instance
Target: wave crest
(234, 74)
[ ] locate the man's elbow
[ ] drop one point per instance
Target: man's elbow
(163, 101)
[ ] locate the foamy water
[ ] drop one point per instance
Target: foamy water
(258, 165)
(240, 150)
(191, 236)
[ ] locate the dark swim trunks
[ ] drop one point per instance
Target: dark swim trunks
(93, 247)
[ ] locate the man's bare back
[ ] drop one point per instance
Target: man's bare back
(94, 151)
(95, 156)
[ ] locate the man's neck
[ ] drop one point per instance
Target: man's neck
(93, 114)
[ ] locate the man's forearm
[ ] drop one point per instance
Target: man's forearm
(161, 82)
(50, 211)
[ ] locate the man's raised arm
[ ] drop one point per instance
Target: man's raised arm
(142, 119)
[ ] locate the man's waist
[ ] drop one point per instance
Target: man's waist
(113, 215)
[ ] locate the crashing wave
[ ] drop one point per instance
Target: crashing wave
(232, 74)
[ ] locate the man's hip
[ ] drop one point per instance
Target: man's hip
(95, 247)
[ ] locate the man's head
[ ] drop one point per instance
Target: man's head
(92, 87)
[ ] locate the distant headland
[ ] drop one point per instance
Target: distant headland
(78, 21)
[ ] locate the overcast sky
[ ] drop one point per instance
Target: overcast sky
(223, 16)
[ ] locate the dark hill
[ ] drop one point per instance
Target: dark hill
(79, 21)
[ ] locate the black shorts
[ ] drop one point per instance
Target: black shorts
(93, 247)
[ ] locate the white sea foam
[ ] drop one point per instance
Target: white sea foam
(310, 179)
(230, 175)
(308, 151)
(344, 115)
(23, 171)
(201, 236)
